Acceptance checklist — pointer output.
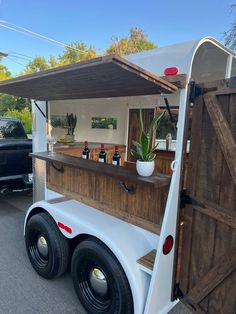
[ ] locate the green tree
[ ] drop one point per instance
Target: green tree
(136, 41)
(8, 102)
(230, 35)
(53, 62)
(5, 74)
(36, 65)
(24, 116)
(80, 52)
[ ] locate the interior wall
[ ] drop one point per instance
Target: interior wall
(118, 108)
(209, 64)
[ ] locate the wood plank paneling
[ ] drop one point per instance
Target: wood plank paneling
(144, 208)
(108, 76)
(223, 133)
(208, 263)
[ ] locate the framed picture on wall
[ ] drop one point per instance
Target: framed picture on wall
(104, 123)
(58, 121)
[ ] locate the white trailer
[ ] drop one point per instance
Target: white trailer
(110, 255)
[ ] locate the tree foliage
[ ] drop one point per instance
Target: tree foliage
(5, 74)
(36, 65)
(23, 115)
(8, 102)
(136, 41)
(230, 35)
(80, 52)
(76, 51)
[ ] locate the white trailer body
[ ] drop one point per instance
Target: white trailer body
(204, 60)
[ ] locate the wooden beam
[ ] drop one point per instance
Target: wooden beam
(216, 212)
(223, 132)
(226, 91)
(179, 80)
(225, 266)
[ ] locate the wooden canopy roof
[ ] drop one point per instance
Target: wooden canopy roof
(109, 76)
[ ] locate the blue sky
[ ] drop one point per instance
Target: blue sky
(95, 22)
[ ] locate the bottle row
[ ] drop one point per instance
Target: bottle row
(102, 157)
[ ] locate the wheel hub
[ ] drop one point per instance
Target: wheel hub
(98, 281)
(42, 246)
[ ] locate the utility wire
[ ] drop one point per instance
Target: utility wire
(28, 32)
(19, 57)
(20, 54)
(16, 61)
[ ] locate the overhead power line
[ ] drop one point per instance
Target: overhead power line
(20, 54)
(16, 61)
(28, 32)
(19, 57)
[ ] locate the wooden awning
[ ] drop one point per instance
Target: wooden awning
(109, 76)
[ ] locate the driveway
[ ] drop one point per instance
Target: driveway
(22, 291)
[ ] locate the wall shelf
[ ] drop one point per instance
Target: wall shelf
(121, 173)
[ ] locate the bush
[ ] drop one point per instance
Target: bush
(24, 116)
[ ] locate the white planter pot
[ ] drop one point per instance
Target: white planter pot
(145, 168)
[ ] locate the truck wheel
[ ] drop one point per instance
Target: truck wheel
(99, 280)
(47, 248)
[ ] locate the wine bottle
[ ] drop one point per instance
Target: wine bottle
(116, 157)
(102, 155)
(86, 151)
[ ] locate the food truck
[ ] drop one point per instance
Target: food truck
(136, 244)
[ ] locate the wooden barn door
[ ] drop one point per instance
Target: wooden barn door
(206, 276)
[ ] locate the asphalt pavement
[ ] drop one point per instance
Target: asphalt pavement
(22, 291)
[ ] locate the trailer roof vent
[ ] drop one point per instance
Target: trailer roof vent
(171, 71)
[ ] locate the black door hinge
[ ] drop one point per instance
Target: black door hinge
(187, 199)
(184, 198)
(196, 91)
(178, 294)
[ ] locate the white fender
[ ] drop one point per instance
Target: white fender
(127, 242)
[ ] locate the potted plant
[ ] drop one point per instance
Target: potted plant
(70, 124)
(144, 149)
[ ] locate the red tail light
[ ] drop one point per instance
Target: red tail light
(168, 244)
(171, 71)
(64, 227)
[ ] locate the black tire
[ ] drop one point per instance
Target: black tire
(53, 259)
(93, 257)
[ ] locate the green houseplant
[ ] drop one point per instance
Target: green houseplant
(70, 124)
(144, 149)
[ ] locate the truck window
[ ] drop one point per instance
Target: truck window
(11, 129)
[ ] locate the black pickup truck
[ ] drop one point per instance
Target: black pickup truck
(15, 163)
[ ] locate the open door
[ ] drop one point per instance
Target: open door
(206, 269)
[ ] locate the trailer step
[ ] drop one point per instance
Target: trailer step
(147, 261)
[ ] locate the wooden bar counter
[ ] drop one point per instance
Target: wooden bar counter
(116, 190)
